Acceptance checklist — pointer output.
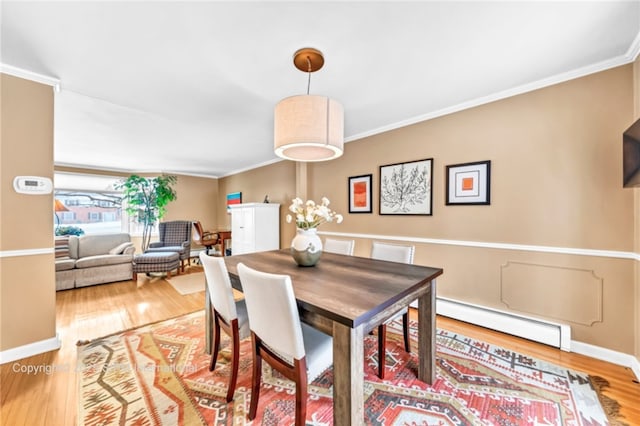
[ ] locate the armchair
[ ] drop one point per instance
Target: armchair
(174, 236)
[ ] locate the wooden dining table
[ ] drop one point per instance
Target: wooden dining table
(346, 297)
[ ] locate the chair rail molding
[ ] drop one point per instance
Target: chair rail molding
(26, 252)
(615, 254)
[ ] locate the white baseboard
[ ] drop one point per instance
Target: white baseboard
(608, 355)
(30, 349)
(543, 331)
(553, 334)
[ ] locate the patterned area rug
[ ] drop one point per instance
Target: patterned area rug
(158, 375)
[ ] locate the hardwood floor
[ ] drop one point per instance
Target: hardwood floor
(48, 395)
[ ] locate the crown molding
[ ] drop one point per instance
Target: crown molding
(30, 75)
(81, 167)
(634, 49)
(628, 57)
(255, 166)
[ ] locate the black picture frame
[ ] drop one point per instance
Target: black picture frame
(406, 188)
(469, 183)
(360, 194)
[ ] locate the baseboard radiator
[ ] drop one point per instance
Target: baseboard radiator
(549, 333)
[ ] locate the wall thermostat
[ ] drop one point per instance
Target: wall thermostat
(34, 185)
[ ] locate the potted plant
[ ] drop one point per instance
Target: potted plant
(146, 200)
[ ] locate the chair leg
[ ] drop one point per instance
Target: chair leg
(255, 379)
(216, 341)
(235, 359)
(301, 393)
(405, 332)
(382, 349)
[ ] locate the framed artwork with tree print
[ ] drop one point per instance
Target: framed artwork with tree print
(406, 188)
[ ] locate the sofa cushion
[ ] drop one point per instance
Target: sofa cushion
(119, 249)
(175, 249)
(93, 245)
(65, 264)
(73, 246)
(103, 260)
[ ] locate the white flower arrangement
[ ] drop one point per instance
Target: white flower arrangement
(310, 215)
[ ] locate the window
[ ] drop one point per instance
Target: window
(89, 202)
(92, 203)
(109, 216)
(67, 216)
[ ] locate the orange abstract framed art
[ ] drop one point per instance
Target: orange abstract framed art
(360, 194)
(469, 183)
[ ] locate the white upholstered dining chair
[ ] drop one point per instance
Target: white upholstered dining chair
(392, 253)
(228, 314)
(296, 350)
(332, 245)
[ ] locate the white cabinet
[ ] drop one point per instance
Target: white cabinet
(255, 227)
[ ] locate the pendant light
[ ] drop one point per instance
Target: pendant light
(308, 127)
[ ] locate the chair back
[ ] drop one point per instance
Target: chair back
(339, 246)
(272, 310)
(198, 231)
(175, 232)
(392, 252)
(219, 284)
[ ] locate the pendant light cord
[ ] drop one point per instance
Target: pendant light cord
(309, 74)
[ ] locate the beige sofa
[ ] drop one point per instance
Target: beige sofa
(95, 259)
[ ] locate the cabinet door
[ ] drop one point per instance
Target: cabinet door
(267, 228)
(236, 231)
(242, 230)
(248, 231)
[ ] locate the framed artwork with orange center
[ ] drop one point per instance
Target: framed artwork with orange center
(360, 194)
(469, 183)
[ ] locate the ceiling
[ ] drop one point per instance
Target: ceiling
(190, 87)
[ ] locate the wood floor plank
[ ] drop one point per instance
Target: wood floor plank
(96, 311)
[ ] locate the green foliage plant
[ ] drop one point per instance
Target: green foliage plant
(69, 230)
(146, 200)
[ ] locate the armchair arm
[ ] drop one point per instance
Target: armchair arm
(129, 250)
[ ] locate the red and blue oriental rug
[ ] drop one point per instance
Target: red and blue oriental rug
(158, 375)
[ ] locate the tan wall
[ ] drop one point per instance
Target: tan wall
(198, 199)
(277, 180)
(556, 158)
(27, 282)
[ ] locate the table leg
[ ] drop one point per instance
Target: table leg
(348, 375)
(207, 320)
(427, 335)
